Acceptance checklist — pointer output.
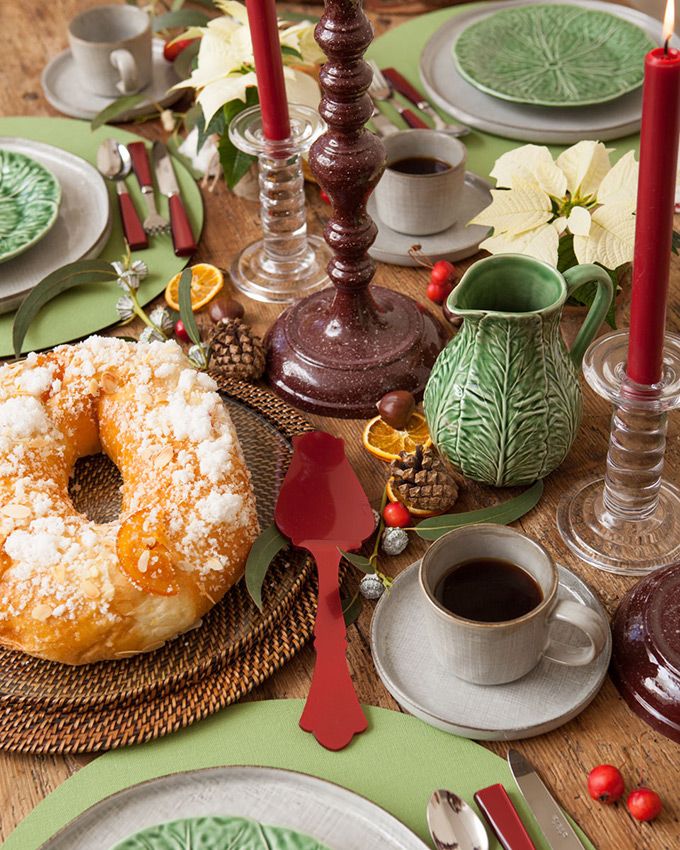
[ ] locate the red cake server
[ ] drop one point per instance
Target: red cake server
(322, 508)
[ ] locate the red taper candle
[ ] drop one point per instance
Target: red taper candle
(271, 88)
(655, 205)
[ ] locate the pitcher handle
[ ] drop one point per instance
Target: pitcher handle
(575, 278)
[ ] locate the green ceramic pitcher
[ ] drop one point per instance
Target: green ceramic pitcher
(503, 402)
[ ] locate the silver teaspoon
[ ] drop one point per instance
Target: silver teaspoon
(453, 825)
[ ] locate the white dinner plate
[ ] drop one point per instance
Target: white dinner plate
(333, 815)
(541, 124)
(547, 697)
(80, 232)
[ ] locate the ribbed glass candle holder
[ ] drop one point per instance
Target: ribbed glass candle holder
(287, 263)
(628, 521)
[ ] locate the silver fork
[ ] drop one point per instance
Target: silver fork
(381, 89)
(154, 223)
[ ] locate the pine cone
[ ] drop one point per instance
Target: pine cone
(235, 351)
(422, 480)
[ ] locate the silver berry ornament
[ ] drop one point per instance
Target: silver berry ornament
(394, 541)
(376, 518)
(160, 317)
(198, 355)
(371, 587)
(150, 335)
(125, 308)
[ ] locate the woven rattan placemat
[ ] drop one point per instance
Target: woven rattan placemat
(47, 707)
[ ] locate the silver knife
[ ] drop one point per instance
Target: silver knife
(554, 825)
(182, 235)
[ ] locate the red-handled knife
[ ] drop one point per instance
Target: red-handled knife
(501, 815)
(410, 92)
(182, 235)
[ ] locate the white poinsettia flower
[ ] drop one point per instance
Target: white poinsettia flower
(580, 195)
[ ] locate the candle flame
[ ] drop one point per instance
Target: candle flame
(669, 20)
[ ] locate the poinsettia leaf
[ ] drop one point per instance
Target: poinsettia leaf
(287, 50)
(185, 310)
(351, 608)
(566, 258)
(541, 242)
(502, 514)
(235, 163)
(180, 18)
(73, 274)
(358, 561)
(610, 240)
(520, 209)
(267, 546)
(115, 109)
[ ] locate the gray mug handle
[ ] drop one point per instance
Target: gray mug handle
(587, 621)
(124, 62)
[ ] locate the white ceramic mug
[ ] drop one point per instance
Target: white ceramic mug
(111, 46)
(497, 652)
(420, 204)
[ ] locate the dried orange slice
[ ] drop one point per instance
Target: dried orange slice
(413, 511)
(206, 282)
(385, 442)
(144, 558)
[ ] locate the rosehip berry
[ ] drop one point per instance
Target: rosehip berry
(181, 331)
(439, 292)
(396, 515)
(644, 804)
(172, 49)
(442, 272)
(605, 784)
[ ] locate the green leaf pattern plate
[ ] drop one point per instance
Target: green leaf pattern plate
(211, 833)
(553, 55)
(29, 202)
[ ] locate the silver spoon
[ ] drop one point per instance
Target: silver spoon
(114, 162)
(453, 824)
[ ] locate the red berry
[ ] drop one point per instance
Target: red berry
(644, 804)
(605, 783)
(181, 331)
(324, 197)
(396, 515)
(172, 49)
(439, 292)
(442, 272)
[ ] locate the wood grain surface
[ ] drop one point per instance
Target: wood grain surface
(607, 731)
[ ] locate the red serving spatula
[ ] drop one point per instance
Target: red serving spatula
(322, 508)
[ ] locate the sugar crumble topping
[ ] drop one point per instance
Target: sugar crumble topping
(184, 445)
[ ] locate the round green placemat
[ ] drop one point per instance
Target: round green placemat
(397, 763)
(86, 309)
(402, 47)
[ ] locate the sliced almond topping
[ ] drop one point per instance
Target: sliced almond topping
(214, 564)
(164, 456)
(93, 387)
(60, 573)
(90, 589)
(143, 562)
(109, 382)
(41, 612)
(16, 511)
(149, 542)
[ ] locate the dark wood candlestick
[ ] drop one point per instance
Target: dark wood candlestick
(338, 351)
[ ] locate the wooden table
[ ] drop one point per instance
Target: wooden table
(606, 732)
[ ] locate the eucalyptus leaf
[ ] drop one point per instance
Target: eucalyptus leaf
(180, 18)
(115, 109)
(185, 311)
(264, 550)
(73, 274)
(351, 608)
(358, 561)
(502, 514)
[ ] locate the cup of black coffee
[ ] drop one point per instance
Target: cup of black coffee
(421, 189)
(492, 600)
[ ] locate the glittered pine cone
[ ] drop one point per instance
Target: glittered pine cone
(235, 351)
(423, 481)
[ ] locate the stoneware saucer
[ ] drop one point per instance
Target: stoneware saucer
(455, 243)
(547, 697)
(61, 82)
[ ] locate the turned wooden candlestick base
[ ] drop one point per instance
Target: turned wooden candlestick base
(338, 351)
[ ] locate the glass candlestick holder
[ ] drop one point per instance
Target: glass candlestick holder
(628, 521)
(287, 263)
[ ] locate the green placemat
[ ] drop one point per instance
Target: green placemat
(402, 47)
(86, 309)
(397, 763)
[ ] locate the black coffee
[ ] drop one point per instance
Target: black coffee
(419, 165)
(488, 590)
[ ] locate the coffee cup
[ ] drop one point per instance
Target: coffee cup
(490, 652)
(421, 203)
(111, 46)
